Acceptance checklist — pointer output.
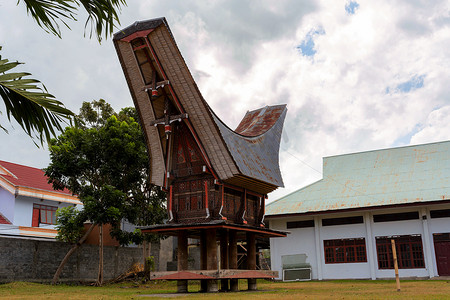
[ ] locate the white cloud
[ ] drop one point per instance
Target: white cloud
(436, 127)
(243, 56)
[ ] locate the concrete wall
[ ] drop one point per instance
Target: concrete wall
(309, 241)
(34, 260)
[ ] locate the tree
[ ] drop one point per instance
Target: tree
(26, 99)
(106, 165)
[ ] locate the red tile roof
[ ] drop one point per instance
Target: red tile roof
(29, 177)
(3, 220)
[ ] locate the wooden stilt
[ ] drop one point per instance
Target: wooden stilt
(251, 258)
(234, 283)
(224, 258)
(211, 249)
(182, 285)
(203, 262)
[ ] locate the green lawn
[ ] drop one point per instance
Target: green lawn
(342, 289)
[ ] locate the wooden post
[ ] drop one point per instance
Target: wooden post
(251, 258)
(211, 259)
(233, 263)
(224, 258)
(203, 262)
(182, 285)
(394, 254)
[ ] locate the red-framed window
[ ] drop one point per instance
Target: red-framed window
(43, 214)
(409, 252)
(345, 251)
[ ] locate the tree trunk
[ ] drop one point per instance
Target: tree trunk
(100, 258)
(69, 254)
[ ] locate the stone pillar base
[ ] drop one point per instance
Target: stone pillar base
(182, 286)
(212, 286)
(234, 285)
(252, 284)
(203, 285)
(224, 285)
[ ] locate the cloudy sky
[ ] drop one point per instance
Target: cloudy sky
(356, 75)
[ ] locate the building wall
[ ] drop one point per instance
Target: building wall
(310, 241)
(299, 241)
(7, 204)
(23, 211)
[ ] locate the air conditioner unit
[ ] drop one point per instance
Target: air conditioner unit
(298, 274)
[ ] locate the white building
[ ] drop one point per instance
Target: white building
(342, 225)
(28, 203)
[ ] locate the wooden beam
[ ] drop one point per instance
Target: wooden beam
(213, 274)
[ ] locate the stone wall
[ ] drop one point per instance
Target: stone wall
(37, 260)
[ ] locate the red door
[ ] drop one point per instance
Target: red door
(442, 249)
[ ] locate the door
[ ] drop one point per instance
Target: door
(442, 249)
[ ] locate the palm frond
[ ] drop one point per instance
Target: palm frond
(103, 15)
(36, 111)
(47, 13)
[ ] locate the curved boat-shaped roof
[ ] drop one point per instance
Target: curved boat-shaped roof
(259, 121)
(255, 144)
(247, 157)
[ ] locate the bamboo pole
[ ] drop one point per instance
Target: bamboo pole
(394, 253)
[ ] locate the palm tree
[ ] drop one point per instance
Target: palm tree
(26, 100)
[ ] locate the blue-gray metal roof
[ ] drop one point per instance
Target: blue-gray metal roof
(257, 155)
(406, 175)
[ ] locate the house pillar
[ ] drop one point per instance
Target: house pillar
(318, 248)
(224, 258)
(370, 249)
(203, 262)
(182, 285)
(233, 262)
(251, 258)
(427, 243)
(211, 258)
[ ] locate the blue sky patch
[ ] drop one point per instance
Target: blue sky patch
(416, 82)
(351, 7)
(307, 45)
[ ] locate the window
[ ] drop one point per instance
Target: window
(342, 221)
(300, 224)
(444, 213)
(413, 215)
(43, 214)
(408, 248)
(345, 251)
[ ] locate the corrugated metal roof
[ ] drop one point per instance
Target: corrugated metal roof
(406, 175)
(260, 120)
(257, 156)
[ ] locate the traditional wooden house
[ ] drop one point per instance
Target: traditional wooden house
(342, 225)
(217, 179)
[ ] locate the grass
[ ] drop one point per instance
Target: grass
(339, 289)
